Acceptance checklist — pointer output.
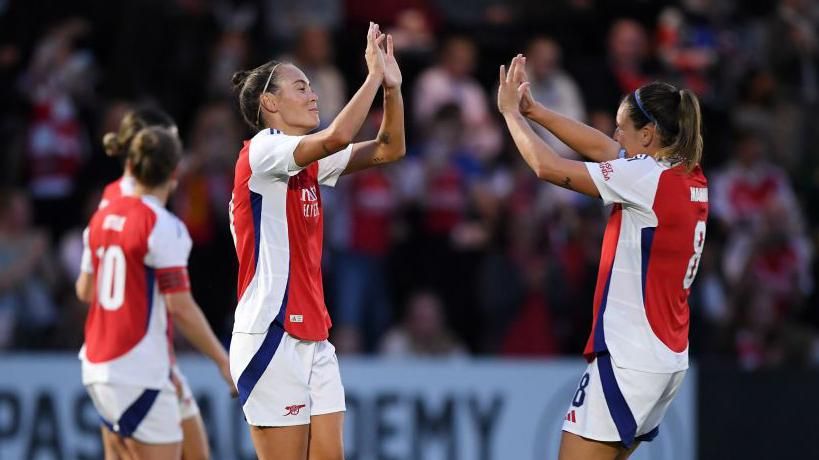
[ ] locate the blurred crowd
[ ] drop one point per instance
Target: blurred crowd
(458, 249)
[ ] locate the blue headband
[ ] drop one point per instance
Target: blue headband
(642, 109)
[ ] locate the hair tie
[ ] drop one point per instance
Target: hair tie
(264, 90)
(642, 109)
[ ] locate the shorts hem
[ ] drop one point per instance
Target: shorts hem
(592, 437)
(329, 411)
(179, 440)
(279, 424)
(173, 440)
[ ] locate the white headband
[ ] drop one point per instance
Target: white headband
(264, 90)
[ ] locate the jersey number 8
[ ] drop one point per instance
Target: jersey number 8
(111, 277)
(694, 261)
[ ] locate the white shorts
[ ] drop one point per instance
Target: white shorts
(187, 403)
(149, 416)
(616, 404)
(282, 380)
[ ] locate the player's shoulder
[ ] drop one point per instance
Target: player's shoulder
(167, 225)
(112, 190)
(269, 137)
(640, 161)
(164, 217)
(630, 168)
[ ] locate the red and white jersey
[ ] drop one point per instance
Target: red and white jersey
(651, 252)
(124, 186)
(277, 225)
(138, 251)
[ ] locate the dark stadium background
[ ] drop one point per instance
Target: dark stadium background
(457, 253)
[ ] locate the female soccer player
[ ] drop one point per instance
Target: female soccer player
(284, 368)
(135, 278)
(195, 442)
(116, 146)
(638, 347)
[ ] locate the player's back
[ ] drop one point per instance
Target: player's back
(127, 331)
(672, 252)
(650, 255)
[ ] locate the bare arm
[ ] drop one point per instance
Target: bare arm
(191, 322)
(580, 137)
(84, 287)
(390, 144)
(341, 131)
(547, 164)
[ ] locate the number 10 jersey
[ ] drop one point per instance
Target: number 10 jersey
(137, 251)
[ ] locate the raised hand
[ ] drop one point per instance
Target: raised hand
(527, 102)
(510, 91)
(392, 73)
(373, 54)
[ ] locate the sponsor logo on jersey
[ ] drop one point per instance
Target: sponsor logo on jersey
(293, 410)
(699, 194)
(570, 417)
(309, 201)
(607, 170)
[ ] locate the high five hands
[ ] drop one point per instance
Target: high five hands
(380, 57)
(514, 94)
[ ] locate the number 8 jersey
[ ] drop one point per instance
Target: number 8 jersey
(137, 251)
(650, 255)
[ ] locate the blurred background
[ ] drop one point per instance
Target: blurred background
(457, 253)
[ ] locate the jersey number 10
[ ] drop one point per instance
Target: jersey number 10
(111, 277)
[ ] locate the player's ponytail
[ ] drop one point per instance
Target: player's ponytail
(688, 144)
(676, 115)
(250, 84)
(116, 144)
(154, 154)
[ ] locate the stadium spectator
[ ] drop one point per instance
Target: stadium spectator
(424, 332)
(58, 82)
(451, 82)
(27, 275)
(554, 87)
(314, 54)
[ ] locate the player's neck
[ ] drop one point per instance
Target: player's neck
(161, 193)
(284, 128)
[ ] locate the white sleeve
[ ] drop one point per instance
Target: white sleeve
(169, 244)
(86, 265)
(627, 180)
(331, 167)
(273, 155)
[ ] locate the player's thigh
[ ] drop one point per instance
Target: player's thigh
(194, 439)
(626, 453)
(575, 447)
(143, 451)
(113, 446)
(327, 437)
(280, 442)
